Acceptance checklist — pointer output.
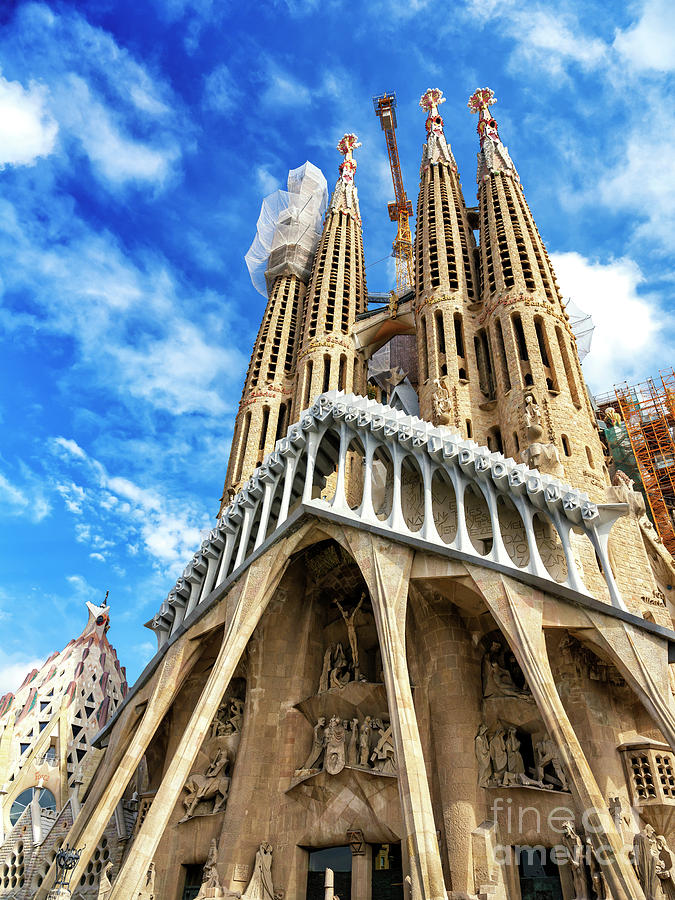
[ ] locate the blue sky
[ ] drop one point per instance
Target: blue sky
(136, 143)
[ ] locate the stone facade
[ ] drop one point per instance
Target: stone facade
(417, 657)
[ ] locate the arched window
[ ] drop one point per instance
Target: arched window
(308, 383)
(241, 450)
(343, 373)
(469, 432)
(424, 370)
(566, 444)
(590, 457)
(326, 374)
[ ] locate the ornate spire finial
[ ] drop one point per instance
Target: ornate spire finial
(346, 145)
(345, 189)
(494, 156)
(437, 149)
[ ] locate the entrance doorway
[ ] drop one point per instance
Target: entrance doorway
(387, 877)
(193, 881)
(539, 876)
(339, 859)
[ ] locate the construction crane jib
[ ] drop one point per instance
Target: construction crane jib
(401, 209)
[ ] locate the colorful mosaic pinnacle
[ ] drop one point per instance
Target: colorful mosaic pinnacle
(347, 168)
(431, 99)
(481, 99)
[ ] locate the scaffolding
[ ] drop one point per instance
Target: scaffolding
(643, 444)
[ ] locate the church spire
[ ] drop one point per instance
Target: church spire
(493, 156)
(327, 358)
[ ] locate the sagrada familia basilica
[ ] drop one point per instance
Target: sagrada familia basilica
(424, 653)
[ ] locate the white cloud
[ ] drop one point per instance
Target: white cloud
(221, 93)
(24, 498)
(28, 129)
(627, 342)
(13, 669)
(267, 181)
(283, 89)
(650, 42)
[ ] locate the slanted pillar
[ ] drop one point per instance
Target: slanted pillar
(246, 607)
(518, 611)
(386, 569)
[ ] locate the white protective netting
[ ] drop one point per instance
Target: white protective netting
(288, 218)
(582, 325)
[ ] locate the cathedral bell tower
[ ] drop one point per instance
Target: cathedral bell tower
(279, 262)
(327, 357)
(446, 283)
(526, 355)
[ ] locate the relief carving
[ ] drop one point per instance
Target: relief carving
(363, 745)
(208, 787)
(501, 764)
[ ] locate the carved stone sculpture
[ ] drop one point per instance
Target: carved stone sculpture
(325, 671)
(515, 764)
(441, 403)
(318, 746)
(105, 884)
(147, 891)
(383, 756)
(214, 785)
(364, 742)
(335, 747)
(353, 746)
(261, 887)
(211, 887)
(597, 878)
(498, 755)
(545, 754)
(351, 632)
(482, 750)
(665, 866)
(646, 859)
(497, 679)
(539, 455)
(575, 853)
(339, 673)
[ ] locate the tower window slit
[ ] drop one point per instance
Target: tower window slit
(486, 379)
(569, 373)
(308, 383)
(451, 260)
(545, 353)
(440, 333)
(520, 337)
(537, 244)
(505, 258)
(242, 446)
(424, 371)
(263, 427)
(502, 355)
(281, 422)
(463, 239)
(342, 373)
(326, 374)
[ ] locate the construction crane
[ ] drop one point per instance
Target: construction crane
(401, 209)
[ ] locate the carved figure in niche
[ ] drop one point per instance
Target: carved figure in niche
(393, 304)
(335, 747)
(383, 756)
(211, 887)
(351, 632)
(546, 753)
(532, 417)
(261, 887)
(575, 853)
(481, 745)
(497, 680)
(213, 785)
(105, 884)
(353, 747)
(597, 878)
(538, 455)
(664, 867)
(339, 674)
(364, 742)
(318, 746)
(516, 766)
(498, 755)
(325, 671)
(646, 859)
(441, 403)
(147, 891)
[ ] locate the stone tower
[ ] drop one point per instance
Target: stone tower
(47, 757)
(525, 350)
(280, 261)
(327, 358)
(446, 285)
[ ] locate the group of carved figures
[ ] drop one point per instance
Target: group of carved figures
(654, 863)
(260, 887)
(367, 745)
(500, 762)
(502, 676)
(212, 786)
(585, 868)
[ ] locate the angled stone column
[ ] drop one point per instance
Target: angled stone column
(386, 569)
(246, 605)
(518, 611)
